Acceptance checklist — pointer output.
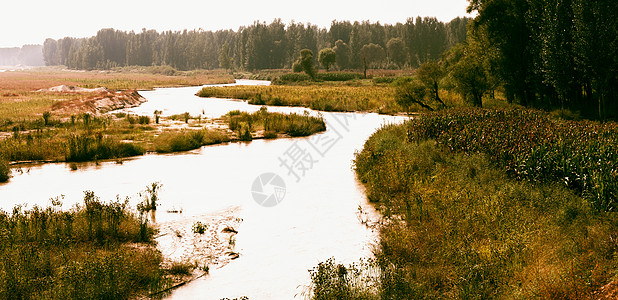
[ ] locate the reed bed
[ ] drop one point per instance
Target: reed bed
(318, 97)
(88, 252)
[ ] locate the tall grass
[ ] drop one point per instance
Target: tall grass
(86, 147)
(322, 97)
(82, 253)
(457, 226)
(530, 145)
(185, 140)
(274, 123)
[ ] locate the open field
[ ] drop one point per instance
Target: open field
(19, 99)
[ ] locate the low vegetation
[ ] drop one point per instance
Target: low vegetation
(317, 97)
(463, 220)
(184, 140)
(94, 251)
(530, 145)
(81, 138)
(5, 171)
(273, 124)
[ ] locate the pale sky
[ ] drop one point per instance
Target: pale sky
(31, 22)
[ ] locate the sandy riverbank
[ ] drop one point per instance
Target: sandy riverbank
(214, 248)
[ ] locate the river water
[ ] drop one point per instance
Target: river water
(316, 219)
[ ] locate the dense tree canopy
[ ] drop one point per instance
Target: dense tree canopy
(552, 54)
(258, 46)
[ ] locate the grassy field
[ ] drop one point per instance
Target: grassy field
(19, 99)
(460, 223)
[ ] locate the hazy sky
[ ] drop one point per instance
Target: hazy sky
(31, 22)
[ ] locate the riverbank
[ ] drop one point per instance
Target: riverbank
(117, 136)
(463, 223)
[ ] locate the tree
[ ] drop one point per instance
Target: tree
(327, 57)
(342, 54)
(224, 57)
(371, 55)
(409, 93)
(470, 76)
(305, 63)
(430, 74)
(396, 50)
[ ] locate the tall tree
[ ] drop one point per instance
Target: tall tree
(371, 55)
(430, 74)
(342, 54)
(396, 50)
(327, 57)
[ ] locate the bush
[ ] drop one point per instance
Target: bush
(76, 254)
(330, 280)
(294, 77)
(199, 227)
(85, 147)
(188, 140)
(338, 76)
(5, 170)
(181, 268)
(144, 120)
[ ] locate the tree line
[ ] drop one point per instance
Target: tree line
(262, 46)
(27, 55)
(544, 54)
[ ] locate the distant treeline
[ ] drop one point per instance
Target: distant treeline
(28, 55)
(260, 46)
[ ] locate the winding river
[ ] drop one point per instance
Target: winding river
(317, 218)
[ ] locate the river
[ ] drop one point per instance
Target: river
(316, 219)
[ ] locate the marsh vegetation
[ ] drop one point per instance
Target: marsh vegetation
(473, 211)
(95, 250)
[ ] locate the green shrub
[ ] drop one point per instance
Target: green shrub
(86, 147)
(338, 76)
(144, 120)
(330, 280)
(76, 254)
(294, 77)
(185, 140)
(5, 170)
(199, 227)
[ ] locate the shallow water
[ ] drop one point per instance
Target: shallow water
(316, 219)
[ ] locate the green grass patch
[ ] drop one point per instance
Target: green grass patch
(318, 97)
(271, 124)
(185, 140)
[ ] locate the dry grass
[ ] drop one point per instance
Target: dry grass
(19, 98)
